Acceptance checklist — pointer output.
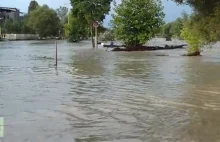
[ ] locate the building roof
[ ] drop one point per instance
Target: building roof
(8, 9)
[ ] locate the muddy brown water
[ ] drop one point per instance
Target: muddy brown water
(99, 96)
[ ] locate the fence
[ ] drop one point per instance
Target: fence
(21, 36)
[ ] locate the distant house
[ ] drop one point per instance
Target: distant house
(9, 13)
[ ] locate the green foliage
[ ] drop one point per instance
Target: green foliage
(204, 7)
(25, 28)
(172, 29)
(75, 30)
(206, 27)
(89, 11)
(13, 26)
(137, 21)
(62, 13)
(33, 5)
(191, 35)
(17, 26)
(205, 18)
(44, 21)
(166, 32)
(8, 26)
(20, 26)
(209, 26)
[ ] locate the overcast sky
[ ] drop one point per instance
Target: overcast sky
(171, 10)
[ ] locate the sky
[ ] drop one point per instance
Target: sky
(171, 9)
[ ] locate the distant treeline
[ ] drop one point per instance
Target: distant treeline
(40, 20)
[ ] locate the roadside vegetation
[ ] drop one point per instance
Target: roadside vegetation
(172, 29)
(134, 22)
(202, 26)
(137, 21)
(40, 20)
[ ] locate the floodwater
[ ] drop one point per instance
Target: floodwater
(100, 96)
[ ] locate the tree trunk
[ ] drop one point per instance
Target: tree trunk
(192, 51)
(92, 36)
(196, 53)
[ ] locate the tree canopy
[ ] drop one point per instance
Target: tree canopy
(192, 36)
(204, 7)
(205, 18)
(172, 29)
(137, 21)
(12, 26)
(33, 5)
(204, 21)
(75, 30)
(89, 11)
(40, 20)
(44, 21)
(62, 13)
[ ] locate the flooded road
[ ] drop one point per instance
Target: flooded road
(99, 96)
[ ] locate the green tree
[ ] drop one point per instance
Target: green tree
(8, 25)
(75, 30)
(177, 27)
(13, 26)
(25, 28)
(137, 21)
(167, 31)
(204, 7)
(44, 21)
(206, 18)
(62, 13)
(91, 10)
(33, 5)
(209, 26)
(173, 29)
(192, 36)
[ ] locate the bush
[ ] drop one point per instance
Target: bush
(192, 36)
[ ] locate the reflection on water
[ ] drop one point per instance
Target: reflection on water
(107, 96)
(88, 62)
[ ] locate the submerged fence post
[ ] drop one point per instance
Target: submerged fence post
(56, 54)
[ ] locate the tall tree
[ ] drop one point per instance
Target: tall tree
(91, 10)
(136, 21)
(26, 29)
(8, 26)
(33, 5)
(173, 29)
(13, 26)
(44, 21)
(75, 30)
(204, 21)
(192, 36)
(62, 13)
